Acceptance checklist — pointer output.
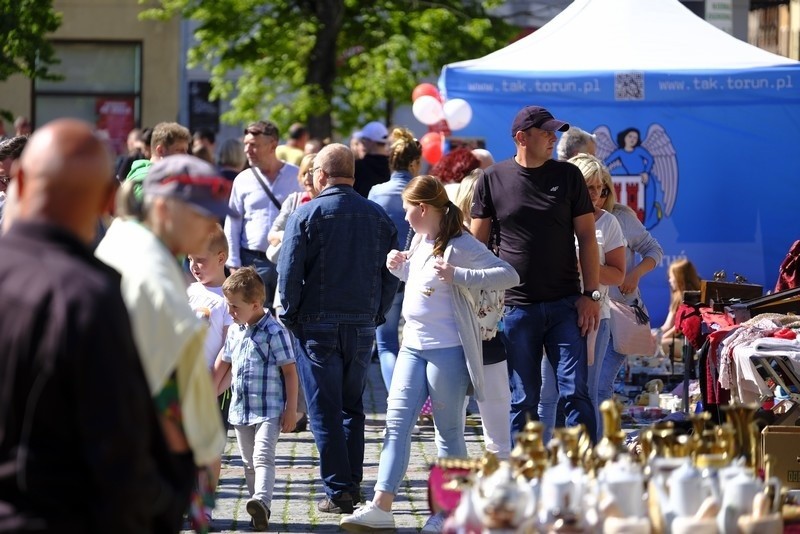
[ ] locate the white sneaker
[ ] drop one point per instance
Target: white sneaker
(368, 518)
(435, 523)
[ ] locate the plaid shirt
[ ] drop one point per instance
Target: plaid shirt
(255, 354)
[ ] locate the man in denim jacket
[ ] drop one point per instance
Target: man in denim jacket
(335, 289)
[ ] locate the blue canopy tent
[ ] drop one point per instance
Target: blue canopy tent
(717, 121)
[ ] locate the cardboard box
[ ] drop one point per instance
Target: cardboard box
(782, 443)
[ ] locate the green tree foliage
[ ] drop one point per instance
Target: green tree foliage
(24, 47)
(331, 63)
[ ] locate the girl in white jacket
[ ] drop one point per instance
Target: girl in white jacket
(441, 353)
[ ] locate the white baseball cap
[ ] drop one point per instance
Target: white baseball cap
(374, 131)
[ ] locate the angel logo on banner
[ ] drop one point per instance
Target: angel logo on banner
(645, 173)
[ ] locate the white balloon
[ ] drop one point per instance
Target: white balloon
(458, 113)
(428, 110)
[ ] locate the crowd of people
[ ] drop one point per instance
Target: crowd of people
(303, 259)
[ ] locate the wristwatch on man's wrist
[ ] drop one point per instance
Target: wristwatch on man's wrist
(592, 294)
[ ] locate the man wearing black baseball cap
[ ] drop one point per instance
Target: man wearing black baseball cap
(541, 206)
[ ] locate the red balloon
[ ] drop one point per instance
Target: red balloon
(431, 147)
(430, 138)
(426, 89)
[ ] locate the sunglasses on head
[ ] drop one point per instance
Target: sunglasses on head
(253, 131)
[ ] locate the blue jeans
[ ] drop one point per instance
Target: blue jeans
(388, 340)
(608, 372)
(548, 402)
(333, 369)
(552, 326)
(440, 373)
(265, 269)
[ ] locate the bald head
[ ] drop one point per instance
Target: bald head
(64, 177)
(484, 156)
(336, 165)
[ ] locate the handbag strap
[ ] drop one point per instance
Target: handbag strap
(494, 237)
(409, 237)
(494, 229)
(641, 315)
(266, 189)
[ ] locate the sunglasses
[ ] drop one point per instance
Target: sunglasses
(5, 180)
(253, 131)
(605, 192)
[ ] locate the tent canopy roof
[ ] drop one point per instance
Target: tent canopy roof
(601, 35)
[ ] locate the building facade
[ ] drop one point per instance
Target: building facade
(118, 72)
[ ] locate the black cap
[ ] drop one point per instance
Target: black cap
(536, 117)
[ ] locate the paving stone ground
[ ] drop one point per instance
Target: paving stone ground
(297, 486)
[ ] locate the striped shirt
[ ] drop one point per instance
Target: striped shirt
(255, 354)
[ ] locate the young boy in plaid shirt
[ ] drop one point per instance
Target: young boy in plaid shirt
(256, 353)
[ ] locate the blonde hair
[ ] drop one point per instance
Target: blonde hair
(127, 204)
(306, 164)
(429, 190)
(464, 194)
(218, 242)
(405, 150)
(167, 134)
(591, 167)
(247, 283)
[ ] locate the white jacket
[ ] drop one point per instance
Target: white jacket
(476, 268)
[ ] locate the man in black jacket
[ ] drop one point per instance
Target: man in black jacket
(373, 167)
(78, 433)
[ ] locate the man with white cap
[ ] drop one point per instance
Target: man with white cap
(373, 168)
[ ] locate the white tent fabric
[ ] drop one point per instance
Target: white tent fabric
(598, 35)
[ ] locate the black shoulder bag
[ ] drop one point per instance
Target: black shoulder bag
(266, 189)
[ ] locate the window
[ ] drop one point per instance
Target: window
(101, 84)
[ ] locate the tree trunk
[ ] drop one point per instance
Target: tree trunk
(322, 62)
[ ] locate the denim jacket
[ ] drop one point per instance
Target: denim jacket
(389, 196)
(332, 266)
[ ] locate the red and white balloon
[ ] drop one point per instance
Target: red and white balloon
(428, 108)
(432, 149)
(458, 113)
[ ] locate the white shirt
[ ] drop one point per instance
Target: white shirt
(256, 211)
(609, 237)
(428, 304)
(208, 304)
